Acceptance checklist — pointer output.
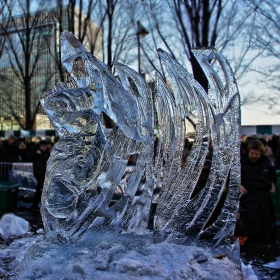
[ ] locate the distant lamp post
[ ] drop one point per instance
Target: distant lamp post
(1, 119)
(141, 31)
(12, 123)
(21, 119)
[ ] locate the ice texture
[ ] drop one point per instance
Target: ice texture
(86, 169)
(179, 218)
(248, 272)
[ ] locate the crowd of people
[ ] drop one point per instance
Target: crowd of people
(15, 149)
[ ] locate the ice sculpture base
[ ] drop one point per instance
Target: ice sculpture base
(115, 259)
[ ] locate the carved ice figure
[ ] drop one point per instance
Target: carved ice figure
(179, 218)
(85, 169)
(78, 166)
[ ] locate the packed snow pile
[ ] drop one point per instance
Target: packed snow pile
(12, 255)
(112, 260)
(12, 226)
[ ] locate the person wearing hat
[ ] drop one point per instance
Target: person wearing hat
(39, 157)
(257, 181)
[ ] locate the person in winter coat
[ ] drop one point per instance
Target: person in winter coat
(10, 150)
(257, 181)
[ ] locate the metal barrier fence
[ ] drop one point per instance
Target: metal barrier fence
(18, 172)
(5, 168)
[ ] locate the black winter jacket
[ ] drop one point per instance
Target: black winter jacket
(10, 153)
(257, 176)
(39, 162)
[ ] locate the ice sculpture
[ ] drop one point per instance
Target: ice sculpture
(85, 169)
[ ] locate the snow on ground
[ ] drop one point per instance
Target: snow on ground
(12, 226)
(12, 254)
(110, 260)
